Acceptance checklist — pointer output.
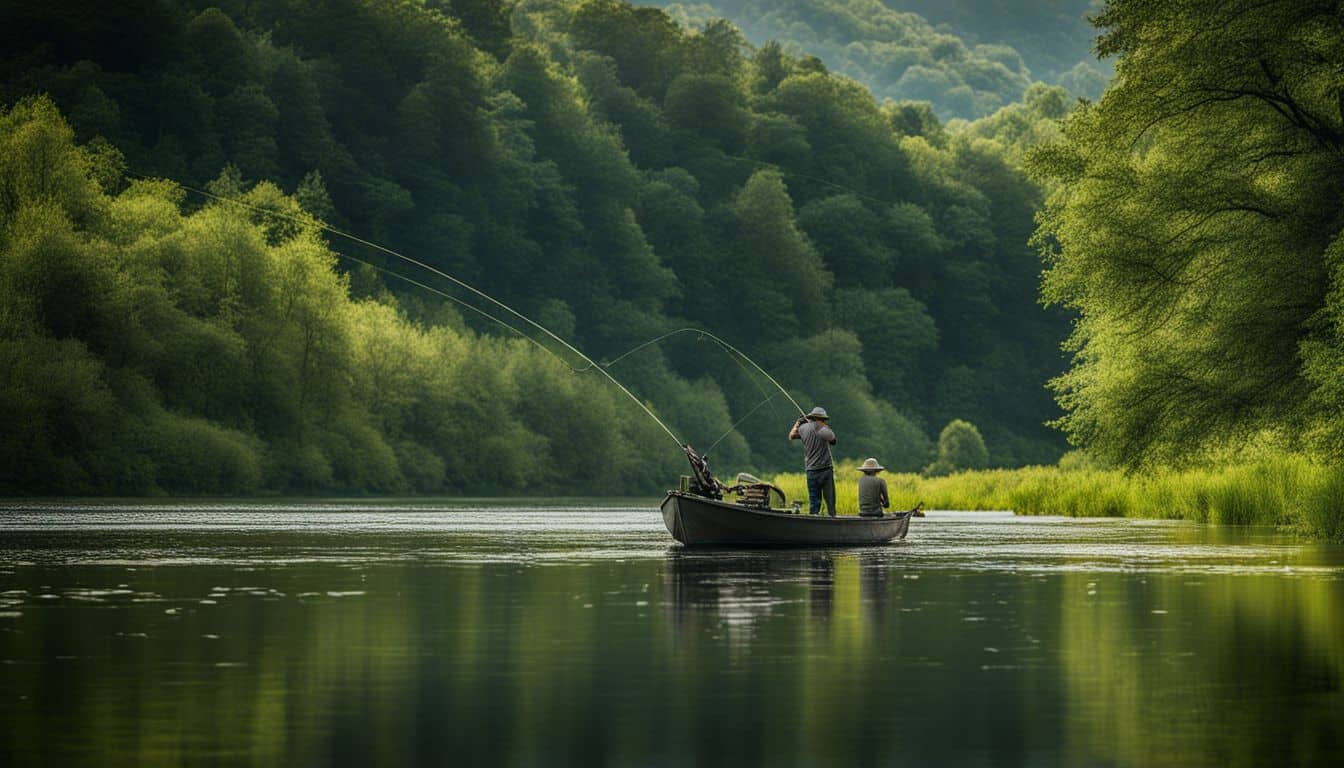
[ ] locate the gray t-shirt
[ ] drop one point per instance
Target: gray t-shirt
(872, 495)
(817, 440)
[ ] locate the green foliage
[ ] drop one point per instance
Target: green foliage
(594, 164)
(1020, 127)
(787, 296)
(981, 63)
(1279, 489)
(1051, 36)
(1191, 227)
(218, 352)
(960, 447)
(1323, 361)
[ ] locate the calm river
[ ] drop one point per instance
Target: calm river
(496, 634)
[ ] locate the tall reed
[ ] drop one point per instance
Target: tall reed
(1284, 490)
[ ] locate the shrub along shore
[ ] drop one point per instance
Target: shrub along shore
(1290, 492)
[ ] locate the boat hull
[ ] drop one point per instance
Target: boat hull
(696, 521)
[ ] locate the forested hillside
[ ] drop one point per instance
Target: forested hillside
(967, 58)
(608, 172)
(1053, 36)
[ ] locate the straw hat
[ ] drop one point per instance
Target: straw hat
(819, 414)
(871, 466)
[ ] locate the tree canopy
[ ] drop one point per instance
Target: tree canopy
(1195, 227)
(967, 59)
(594, 164)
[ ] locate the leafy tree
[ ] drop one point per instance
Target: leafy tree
(784, 283)
(896, 332)
(644, 42)
(960, 447)
(710, 106)
(1190, 226)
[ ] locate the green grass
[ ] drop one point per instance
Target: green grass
(1286, 491)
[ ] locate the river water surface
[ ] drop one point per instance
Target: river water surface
(500, 633)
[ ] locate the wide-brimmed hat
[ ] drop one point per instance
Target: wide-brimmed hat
(819, 413)
(871, 465)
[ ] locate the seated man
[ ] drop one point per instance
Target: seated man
(872, 490)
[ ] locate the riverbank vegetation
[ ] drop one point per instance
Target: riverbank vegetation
(595, 165)
(148, 349)
(1287, 491)
(1194, 225)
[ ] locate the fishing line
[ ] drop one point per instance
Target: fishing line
(467, 305)
(767, 399)
(721, 343)
(703, 335)
(310, 221)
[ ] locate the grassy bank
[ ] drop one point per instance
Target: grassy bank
(1284, 491)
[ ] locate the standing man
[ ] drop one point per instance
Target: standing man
(817, 439)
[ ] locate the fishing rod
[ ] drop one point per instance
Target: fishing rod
(737, 354)
(465, 304)
(390, 273)
(313, 222)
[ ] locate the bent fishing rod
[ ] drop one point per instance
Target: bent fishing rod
(317, 223)
(705, 453)
(737, 354)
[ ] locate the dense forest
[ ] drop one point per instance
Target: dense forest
(968, 58)
(594, 164)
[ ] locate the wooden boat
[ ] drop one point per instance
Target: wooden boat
(697, 521)
(697, 515)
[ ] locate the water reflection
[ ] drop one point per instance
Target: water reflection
(738, 589)
(713, 589)
(982, 641)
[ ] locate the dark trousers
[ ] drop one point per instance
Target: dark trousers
(821, 485)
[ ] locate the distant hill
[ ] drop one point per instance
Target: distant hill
(1052, 36)
(966, 58)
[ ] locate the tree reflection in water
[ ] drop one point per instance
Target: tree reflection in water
(738, 589)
